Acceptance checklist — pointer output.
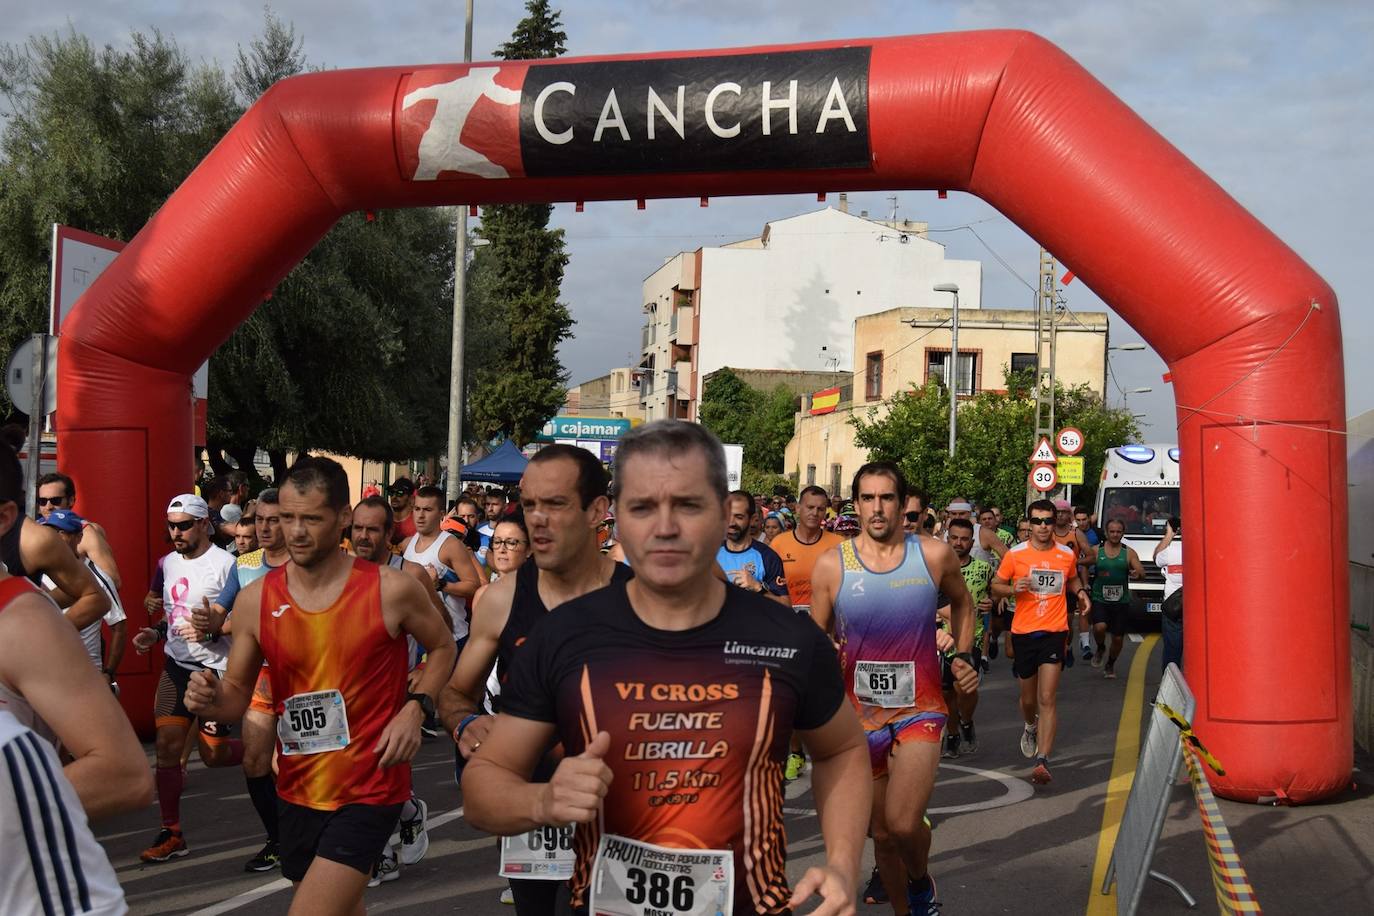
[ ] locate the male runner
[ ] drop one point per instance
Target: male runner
(1039, 574)
(674, 697)
(47, 685)
(1065, 533)
(68, 526)
(799, 549)
(260, 721)
(988, 521)
(58, 491)
(446, 559)
(402, 493)
(747, 561)
(960, 735)
(494, 504)
(196, 575)
(563, 495)
(332, 630)
(987, 546)
(1116, 563)
(879, 592)
(370, 536)
(30, 550)
(246, 535)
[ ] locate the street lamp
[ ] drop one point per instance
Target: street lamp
(952, 376)
(460, 295)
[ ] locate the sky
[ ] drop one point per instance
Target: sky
(1274, 99)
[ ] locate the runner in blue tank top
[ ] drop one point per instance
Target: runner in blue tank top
(878, 594)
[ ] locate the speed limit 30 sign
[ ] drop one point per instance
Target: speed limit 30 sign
(1043, 477)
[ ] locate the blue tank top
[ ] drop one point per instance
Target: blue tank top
(888, 618)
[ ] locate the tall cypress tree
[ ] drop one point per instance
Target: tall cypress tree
(520, 273)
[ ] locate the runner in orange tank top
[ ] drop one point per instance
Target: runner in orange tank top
(332, 628)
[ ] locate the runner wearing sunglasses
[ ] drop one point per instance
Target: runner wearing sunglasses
(1040, 574)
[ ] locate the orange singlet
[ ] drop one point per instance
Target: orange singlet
(338, 678)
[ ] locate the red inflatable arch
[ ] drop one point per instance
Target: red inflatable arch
(1247, 328)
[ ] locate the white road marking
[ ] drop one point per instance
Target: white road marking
(281, 884)
(1017, 790)
(1135, 637)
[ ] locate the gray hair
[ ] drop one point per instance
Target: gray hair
(673, 437)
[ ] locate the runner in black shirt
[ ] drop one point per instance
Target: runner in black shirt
(674, 698)
(563, 495)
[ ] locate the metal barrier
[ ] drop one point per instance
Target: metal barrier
(1149, 800)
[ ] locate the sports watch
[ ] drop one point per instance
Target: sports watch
(426, 704)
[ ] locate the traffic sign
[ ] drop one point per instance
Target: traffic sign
(1070, 441)
(1043, 477)
(20, 380)
(1043, 453)
(1070, 469)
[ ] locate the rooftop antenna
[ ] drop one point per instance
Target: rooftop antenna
(892, 217)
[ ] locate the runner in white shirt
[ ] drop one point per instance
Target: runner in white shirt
(447, 559)
(51, 862)
(69, 526)
(199, 582)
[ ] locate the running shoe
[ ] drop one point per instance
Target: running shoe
(386, 869)
(1099, 658)
(1087, 653)
(992, 647)
(1069, 657)
(414, 833)
(951, 750)
(1041, 774)
(169, 844)
(266, 859)
(796, 763)
(970, 737)
(874, 893)
(508, 897)
(922, 902)
(1028, 738)
(1110, 673)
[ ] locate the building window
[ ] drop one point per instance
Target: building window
(810, 475)
(873, 376)
(937, 367)
(835, 470)
(1023, 362)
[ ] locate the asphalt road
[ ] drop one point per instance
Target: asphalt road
(1000, 846)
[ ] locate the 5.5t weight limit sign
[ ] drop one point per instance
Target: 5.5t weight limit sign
(1069, 440)
(1043, 477)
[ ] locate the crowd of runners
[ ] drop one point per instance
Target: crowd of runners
(629, 671)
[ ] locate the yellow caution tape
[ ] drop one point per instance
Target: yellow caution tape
(1185, 732)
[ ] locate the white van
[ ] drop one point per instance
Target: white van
(1140, 487)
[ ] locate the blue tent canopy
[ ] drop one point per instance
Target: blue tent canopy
(505, 465)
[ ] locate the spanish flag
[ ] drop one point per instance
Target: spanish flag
(825, 401)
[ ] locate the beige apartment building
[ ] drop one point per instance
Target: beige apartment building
(615, 394)
(904, 347)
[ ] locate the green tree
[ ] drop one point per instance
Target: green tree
(93, 138)
(519, 275)
(762, 422)
(996, 434)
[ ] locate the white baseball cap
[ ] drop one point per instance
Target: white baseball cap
(189, 504)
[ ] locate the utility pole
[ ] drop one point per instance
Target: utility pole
(460, 293)
(1046, 330)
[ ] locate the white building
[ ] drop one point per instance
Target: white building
(787, 299)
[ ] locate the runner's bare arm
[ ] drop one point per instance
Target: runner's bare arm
(841, 781)
(44, 661)
(1133, 559)
(96, 548)
(992, 542)
(1076, 587)
(406, 609)
(225, 699)
(462, 696)
(825, 583)
(458, 557)
(422, 576)
(42, 549)
(943, 563)
(498, 797)
(119, 634)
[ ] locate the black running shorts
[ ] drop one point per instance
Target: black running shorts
(353, 835)
(1036, 649)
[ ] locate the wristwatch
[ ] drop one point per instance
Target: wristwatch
(965, 657)
(426, 704)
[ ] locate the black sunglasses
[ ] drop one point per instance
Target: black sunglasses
(1040, 521)
(913, 516)
(181, 526)
(50, 500)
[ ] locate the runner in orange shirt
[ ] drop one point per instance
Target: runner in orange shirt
(1040, 573)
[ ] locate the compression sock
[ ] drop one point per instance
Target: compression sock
(170, 781)
(263, 791)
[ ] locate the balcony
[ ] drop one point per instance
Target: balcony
(646, 387)
(670, 386)
(646, 336)
(682, 326)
